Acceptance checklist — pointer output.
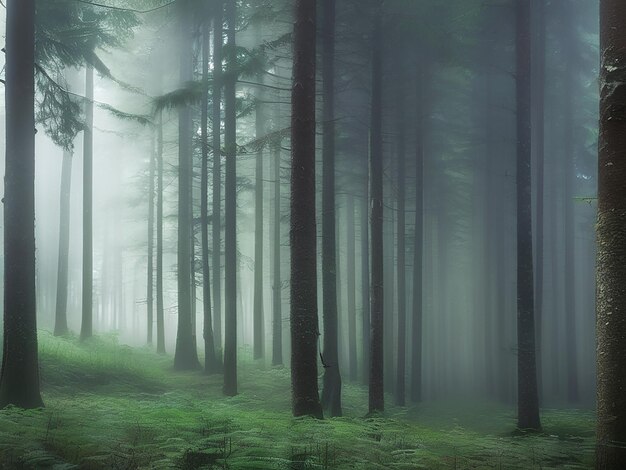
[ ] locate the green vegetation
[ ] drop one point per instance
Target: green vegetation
(114, 407)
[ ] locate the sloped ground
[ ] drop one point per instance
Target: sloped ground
(113, 407)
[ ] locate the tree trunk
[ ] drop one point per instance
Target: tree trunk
(303, 236)
(19, 380)
(86, 329)
(277, 315)
(611, 295)
(258, 323)
(160, 319)
(186, 356)
(331, 392)
(216, 217)
(230, 211)
(60, 322)
(376, 379)
(365, 281)
(150, 273)
(210, 362)
(418, 250)
(350, 277)
(528, 401)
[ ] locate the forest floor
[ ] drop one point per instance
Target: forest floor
(114, 407)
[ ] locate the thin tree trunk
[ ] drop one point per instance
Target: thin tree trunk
(60, 323)
(528, 401)
(277, 315)
(216, 217)
(160, 318)
(350, 277)
(376, 379)
(210, 362)
(86, 329)
(258, 323)
(230, 212)
(19, 380)
(365, 281)
(611, 295)
(331, 392)
(186, 356)
(303, 237)
(150, 270)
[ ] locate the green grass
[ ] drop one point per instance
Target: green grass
(114, 407)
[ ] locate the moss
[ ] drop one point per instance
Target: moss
(113, 407)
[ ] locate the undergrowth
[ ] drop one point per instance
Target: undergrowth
(114, 407)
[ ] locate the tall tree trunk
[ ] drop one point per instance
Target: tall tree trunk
(611, 295)
(418, 250)
(331, 392)
(186, 356)
(60, 320)
(19, 379)
(150, 271)
(365, 280)
(528, 401)
(210, 362)
(376, 379)
(86, 329)
(216, 217)
(539, 64)
(351, 285)
(277, 315)
(230, 210)
(401, 247)
(258, 323)
(160, 318)
(304, 322)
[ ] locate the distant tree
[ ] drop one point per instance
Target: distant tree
(351, 287)
(150, 268)
(611, 275)
(230, 207)
(160, 318)
(376, 383)
(186, 356)
(258, 329)
(277, 314)
(19, 378)
(528, 400)
(304, 321)
(331, 391)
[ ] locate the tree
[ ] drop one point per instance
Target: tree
(331, 391)
(376, 383)
(304, 326)
(230, 207)
(611, 274)
(150, 270)
(186, 356)
(60, 319)
(160, 319)
(277, 314)
(528, 400)
(258, 320)
(19, 379)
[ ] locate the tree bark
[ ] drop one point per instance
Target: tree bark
(611, 295)
(331, 391)
(528, 401)
(365, 280)
(257, 317)
(277, 315)
(351, 286)
(60, 321)
(160, 318)
(303, 236)
(19, 379)
(230, 211)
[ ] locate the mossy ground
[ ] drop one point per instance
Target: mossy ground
(114, 407)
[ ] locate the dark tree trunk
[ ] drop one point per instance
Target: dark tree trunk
(230, 211)
(277, 315)
(60, 321)
(210, 362)
(19, 380)
(611, 295)
(331, 391)
(258, 324)
(376, 379)
(186, 356)
(539, 64)
(216, 217)
(528, 401)
(150, 273)
(86, 329)
(303, 238)
(365, 280)
(418, 253)
(401, 247)
(351, 285)
(160, 318)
